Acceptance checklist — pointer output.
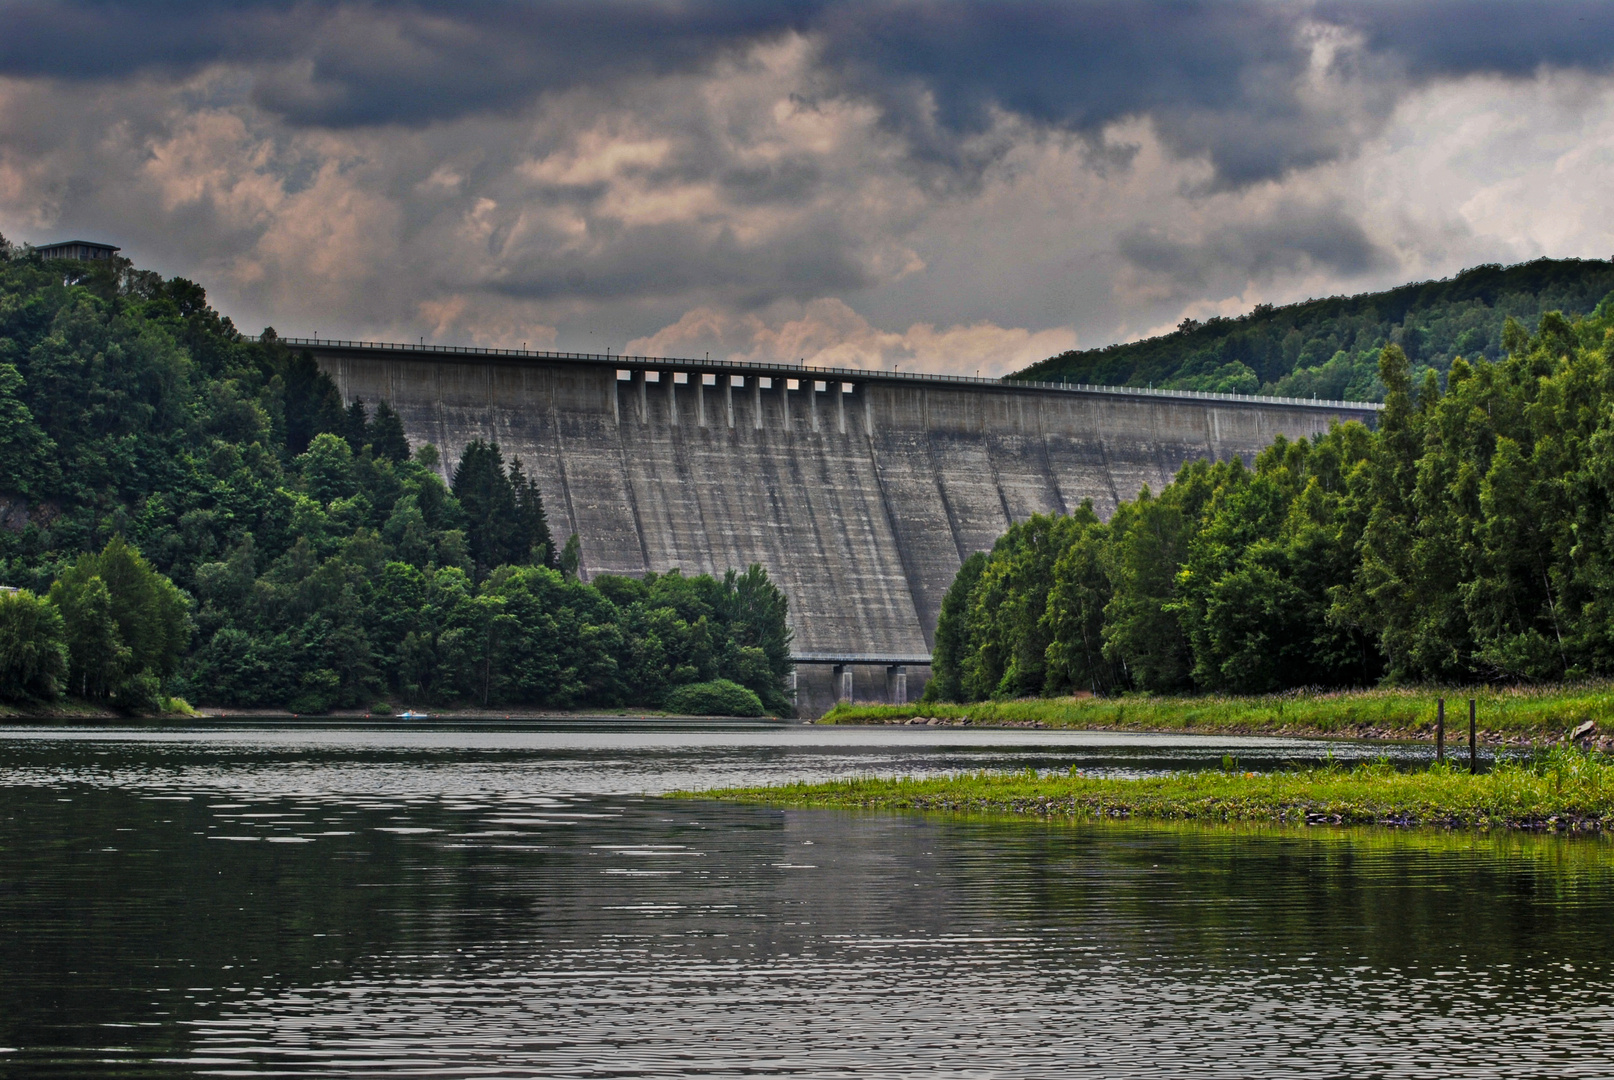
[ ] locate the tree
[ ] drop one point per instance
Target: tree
(122, 619)
(952, 633)
(1149, 539)
(97, 656)
(571, 556)
(27, 461)
(327, 469)
(356, 425)
(1075, 613)
(492, 515)
(757, 618)
(33, 654)
(534, 523)
(310, 403)
(387, 434)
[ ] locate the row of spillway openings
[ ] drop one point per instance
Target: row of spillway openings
(720, 399)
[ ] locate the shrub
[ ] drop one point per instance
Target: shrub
(138, 693)
(717, 698)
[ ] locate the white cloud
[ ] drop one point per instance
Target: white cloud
(828, 333)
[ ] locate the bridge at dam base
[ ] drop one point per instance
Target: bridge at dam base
(860, 492)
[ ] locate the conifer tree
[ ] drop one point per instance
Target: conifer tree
(356, 425)
(387, 434)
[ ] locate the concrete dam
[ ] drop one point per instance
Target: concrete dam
(860, 492)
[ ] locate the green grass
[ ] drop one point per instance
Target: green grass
(1513, 715)
(1562, 788)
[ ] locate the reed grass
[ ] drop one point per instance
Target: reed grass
(1512, 714)
(1562, 788)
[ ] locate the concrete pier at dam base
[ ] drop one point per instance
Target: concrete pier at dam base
(860, 492)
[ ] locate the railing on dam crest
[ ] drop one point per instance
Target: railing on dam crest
(797, 371)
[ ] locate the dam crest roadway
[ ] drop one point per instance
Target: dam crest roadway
(859, 491)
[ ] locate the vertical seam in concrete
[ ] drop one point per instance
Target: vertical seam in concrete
(1060, 505)
(992, 449)
(442, 429)
(947, 504)
(910, 572)
(560, 468)
(1109, 472)
(633, 500)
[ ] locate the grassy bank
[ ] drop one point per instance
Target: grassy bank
(1564, 789)
(68, 710)
(1513, 716)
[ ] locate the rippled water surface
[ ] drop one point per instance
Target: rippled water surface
(525, 902)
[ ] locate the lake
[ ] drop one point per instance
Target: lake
(491, 900)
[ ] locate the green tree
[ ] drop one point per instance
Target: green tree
(27, 455)
(1075, 614)
(571, 556)
(952, 633)
(492, 514)
(122, 618)
(33, 653)
(98, 658)
(310, 403)
(387, 434)
(1149, 540)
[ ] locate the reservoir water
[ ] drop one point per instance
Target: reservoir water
(524, 901)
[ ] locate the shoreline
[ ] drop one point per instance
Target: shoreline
(69, 714)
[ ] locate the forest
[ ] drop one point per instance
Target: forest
(186, 512)
(1467, 538)
(1330, 348)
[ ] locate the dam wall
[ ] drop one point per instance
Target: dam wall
(860, 492)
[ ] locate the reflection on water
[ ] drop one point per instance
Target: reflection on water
(521, 902)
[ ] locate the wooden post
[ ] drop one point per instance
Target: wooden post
(1473, 743)
(1440, 730)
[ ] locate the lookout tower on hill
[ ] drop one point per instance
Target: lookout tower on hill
(77, 249)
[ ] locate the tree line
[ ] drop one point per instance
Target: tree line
(186, 512)
(1467, 537)
(1329, 348)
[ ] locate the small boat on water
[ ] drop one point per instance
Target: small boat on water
(411, 714)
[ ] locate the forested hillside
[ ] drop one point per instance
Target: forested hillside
(188, 512)
(1330, 348)
(1469, 537)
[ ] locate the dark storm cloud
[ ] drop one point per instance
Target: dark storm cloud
(1290, 239)
(1459, 37)
(334, 64)
(1219, 78)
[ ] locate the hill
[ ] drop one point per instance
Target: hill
(1330, 348)
(188, 512)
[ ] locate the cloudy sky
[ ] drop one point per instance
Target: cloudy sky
(946, 186)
